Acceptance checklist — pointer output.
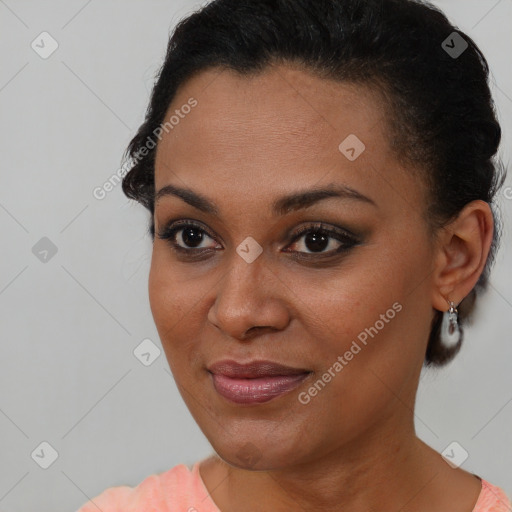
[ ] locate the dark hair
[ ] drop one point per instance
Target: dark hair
(441, 113)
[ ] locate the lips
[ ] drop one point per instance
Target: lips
(255, 382)
(253, 369)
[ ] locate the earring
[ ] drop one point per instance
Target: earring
(450, 330)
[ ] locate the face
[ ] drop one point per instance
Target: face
(346, 302)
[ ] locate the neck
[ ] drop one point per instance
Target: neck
(381, 470)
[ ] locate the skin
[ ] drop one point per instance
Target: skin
(353, 447)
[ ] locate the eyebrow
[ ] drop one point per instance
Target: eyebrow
(292, 202)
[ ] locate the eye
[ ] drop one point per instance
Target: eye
(186, 237)
(317, 238)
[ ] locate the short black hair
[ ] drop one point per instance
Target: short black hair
(442, 116)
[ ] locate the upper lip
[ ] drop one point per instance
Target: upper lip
(253, 369)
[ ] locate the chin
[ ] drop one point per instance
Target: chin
(256, 455)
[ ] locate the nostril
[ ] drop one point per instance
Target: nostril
(256, 330)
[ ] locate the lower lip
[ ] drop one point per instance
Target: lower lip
(259, 390)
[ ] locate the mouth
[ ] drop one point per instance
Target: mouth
(255, 382)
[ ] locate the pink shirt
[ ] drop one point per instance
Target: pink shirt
(182, 490)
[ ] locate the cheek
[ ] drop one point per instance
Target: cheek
(172, 292)
(345, 301)
(162, 294)
(175, 302)
(360, 320)
(370, 308)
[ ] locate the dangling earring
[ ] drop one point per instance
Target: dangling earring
(450, 330)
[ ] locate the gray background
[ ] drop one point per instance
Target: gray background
(68, 375)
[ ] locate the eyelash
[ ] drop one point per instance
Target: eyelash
(169, 232)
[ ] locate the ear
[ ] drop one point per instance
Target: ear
(461, 253)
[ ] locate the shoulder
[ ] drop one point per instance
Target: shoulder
(155, 491)
(492, 499)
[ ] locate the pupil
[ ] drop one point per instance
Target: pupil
(192, 237)
(318, 241)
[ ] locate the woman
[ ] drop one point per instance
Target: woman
(320, 176)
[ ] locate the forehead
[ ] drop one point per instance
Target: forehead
(270, 130)
(301, 109)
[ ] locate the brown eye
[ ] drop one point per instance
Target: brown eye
(318, 238)
(186, 237)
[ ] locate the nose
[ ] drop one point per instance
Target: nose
(251, 299)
